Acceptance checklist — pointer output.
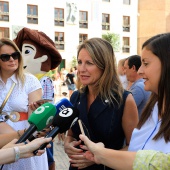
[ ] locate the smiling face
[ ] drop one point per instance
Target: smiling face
(32, 64)
(88, 72)
(11, 65)
(150, 70)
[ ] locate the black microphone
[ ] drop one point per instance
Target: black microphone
(61, 122)
(60, 105)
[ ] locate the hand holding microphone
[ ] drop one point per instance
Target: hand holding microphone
(39, 119)
(60, 105)
(62, 122)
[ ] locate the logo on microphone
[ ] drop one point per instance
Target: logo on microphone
(49, 120)
(40, 109)
(66, 112)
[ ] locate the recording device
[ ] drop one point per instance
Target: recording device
(60, 105)
(62, 122)
(39, 119)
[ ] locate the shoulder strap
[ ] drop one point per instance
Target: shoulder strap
(7, 97)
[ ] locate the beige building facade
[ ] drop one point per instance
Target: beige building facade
(153, 18)
(69, 22)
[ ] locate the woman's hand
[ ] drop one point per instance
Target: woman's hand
(26, 151)
(43, 132)
(76, 155)
(70, 147)
(33, 106)
(93, 149)
(80, 161)
(12, 144)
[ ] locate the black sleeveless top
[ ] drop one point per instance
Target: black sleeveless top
(103, 123)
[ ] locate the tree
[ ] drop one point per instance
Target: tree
(74, 61)
(114, 40)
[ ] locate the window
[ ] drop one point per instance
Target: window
(4, 32)
(82, 37)
(59, 17)
(83, 19)
(126, 2)
(126, 23)
(59, 40)
(4, 11)
(126, 45)
(32, 14)
(105, 21)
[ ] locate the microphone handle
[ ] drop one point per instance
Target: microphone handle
(32, 128)
(52, 134)
(31, 138)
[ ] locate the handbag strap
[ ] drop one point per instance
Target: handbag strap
(7, 97)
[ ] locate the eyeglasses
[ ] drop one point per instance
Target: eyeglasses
(6, 57)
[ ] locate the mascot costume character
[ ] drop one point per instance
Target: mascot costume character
(40, 56)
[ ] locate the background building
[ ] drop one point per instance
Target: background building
(154, 18)
(70, 22)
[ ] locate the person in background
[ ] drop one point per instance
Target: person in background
(12, 152)
(72, 85)
(108, 112)
(57, 85)
(63, 74)
(61, 138)
(121, 73)
(124, 160)
(27, 89)
(75, 72)
(131, 66)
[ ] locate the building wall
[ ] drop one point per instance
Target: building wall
(154, 18)
(95, 8)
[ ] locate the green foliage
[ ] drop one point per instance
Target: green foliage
(74, 61)
(114, 40)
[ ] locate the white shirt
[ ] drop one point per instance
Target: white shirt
(142, 139)
(18, 101)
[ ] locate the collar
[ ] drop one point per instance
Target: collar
(13, 78)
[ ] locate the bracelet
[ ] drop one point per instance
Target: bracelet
(17, 153)
(19, 135)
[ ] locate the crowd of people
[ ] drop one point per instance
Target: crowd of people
(124, 110)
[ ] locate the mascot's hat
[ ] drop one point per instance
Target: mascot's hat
(41, 40)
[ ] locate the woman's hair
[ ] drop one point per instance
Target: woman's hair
(19, 71)
(108, 86)
(159, 45)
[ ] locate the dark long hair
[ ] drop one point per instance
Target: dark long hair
(160, 46)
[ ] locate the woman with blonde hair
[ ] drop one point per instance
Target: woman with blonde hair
(26, 89)
(108, 112)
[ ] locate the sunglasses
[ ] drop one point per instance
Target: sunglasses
(6, 57)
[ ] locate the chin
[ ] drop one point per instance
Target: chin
(147, 88)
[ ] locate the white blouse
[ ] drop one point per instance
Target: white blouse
(18, 102)
(142, 139)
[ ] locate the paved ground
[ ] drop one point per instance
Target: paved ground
(61, 159)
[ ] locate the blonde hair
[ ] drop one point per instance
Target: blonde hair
(19, 71)
(108, 86)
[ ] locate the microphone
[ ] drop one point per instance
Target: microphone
(39, 119)
(60, 105)
(61, 122)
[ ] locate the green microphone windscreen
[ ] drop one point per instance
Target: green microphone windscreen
(42, 116)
